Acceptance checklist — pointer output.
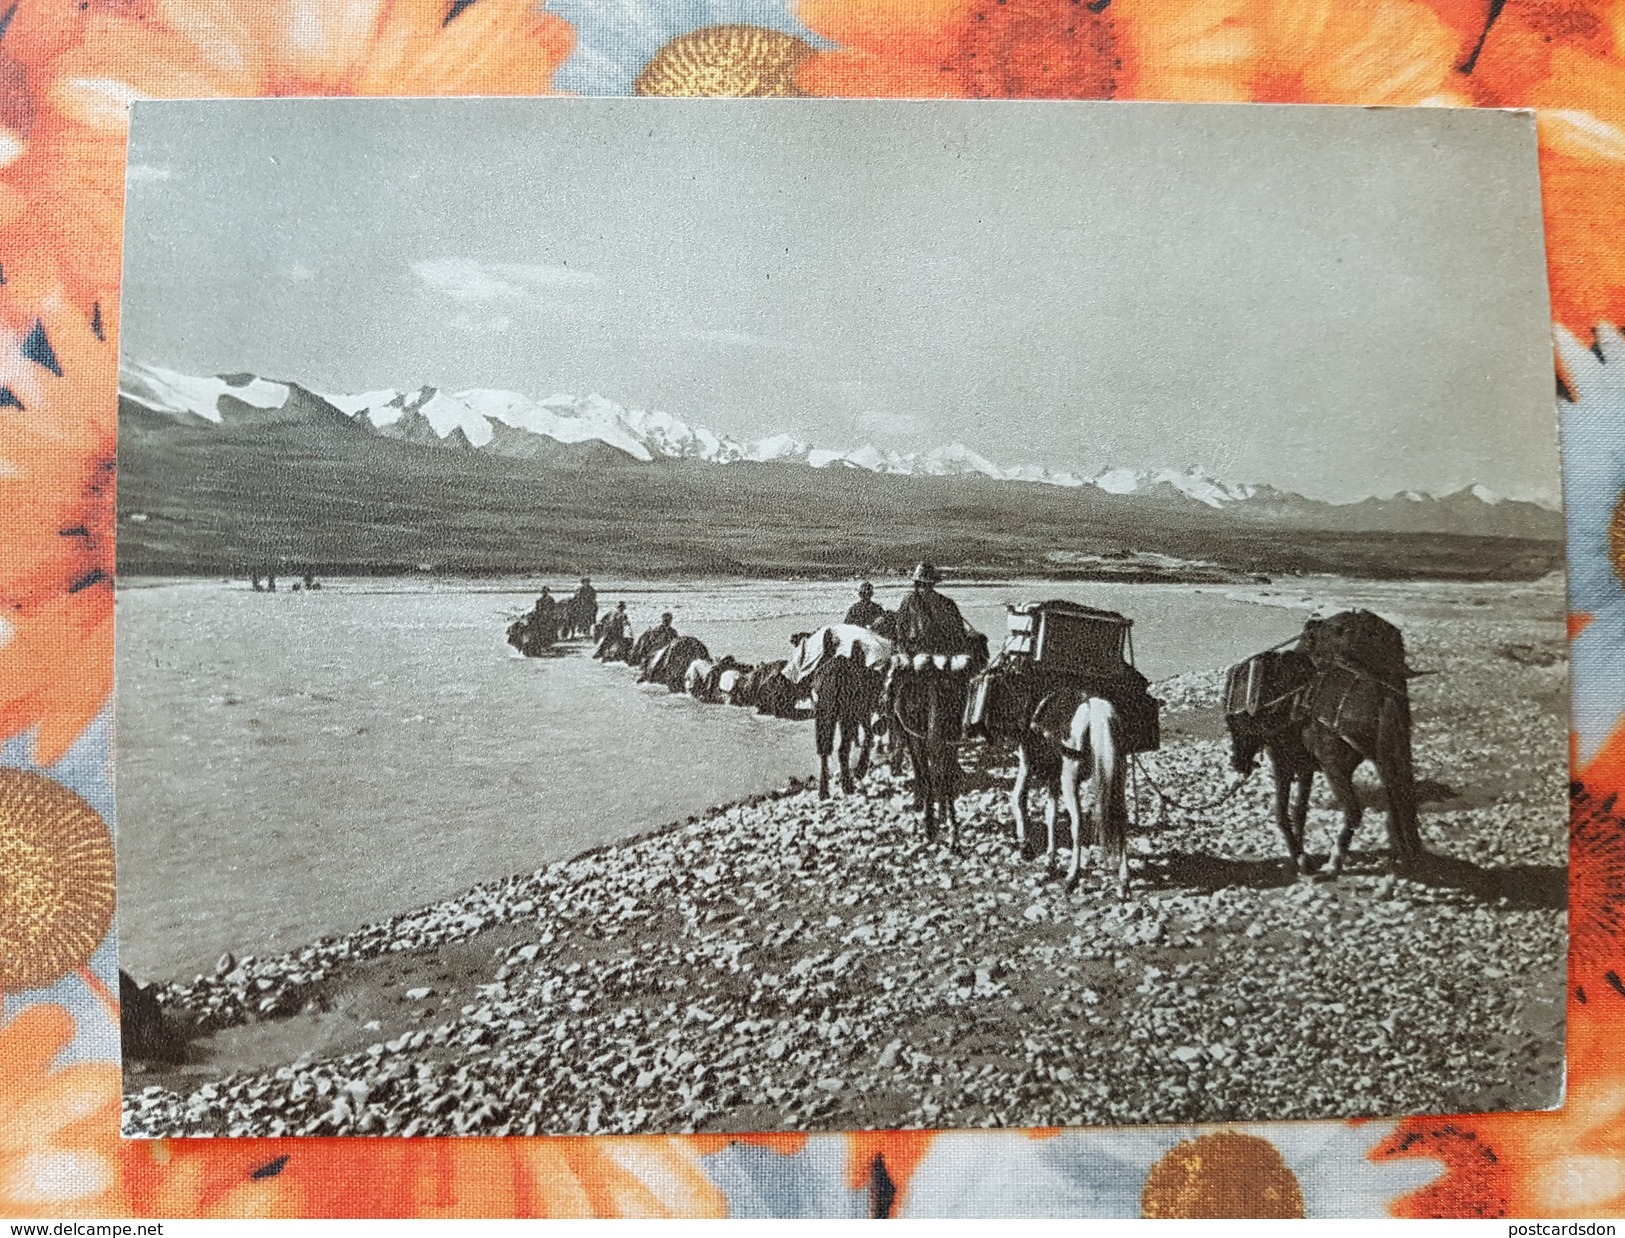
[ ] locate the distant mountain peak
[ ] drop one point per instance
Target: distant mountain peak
(565, 430)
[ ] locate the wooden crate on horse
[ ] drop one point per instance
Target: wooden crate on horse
(1062, 646)
(1067, 638)
(1065, 690)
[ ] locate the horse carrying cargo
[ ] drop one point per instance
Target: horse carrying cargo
(1356, 659)
(1339, 699)
(1059, 644)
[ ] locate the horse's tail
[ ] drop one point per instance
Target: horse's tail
(1109, 770)
(1399, 779)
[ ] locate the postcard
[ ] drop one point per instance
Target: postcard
(656, 616)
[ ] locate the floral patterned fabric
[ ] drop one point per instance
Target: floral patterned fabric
(68, 69)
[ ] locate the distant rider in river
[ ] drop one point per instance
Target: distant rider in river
(865, 612)
(544, 617)
(615, 642)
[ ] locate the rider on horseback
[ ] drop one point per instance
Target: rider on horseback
(865, 611)
(925, 693)
(615, 642)
(929, 623)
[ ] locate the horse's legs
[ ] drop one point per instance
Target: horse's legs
(1052, 805)
(925, 796)
(1284, 785)
(861, 770)
(1302, 783)
(1071, 776)
(1393, 764)
(1340, 761)
(1018, 797)
(948, 786)
(824, 741)
(845, 751)
(916, 758)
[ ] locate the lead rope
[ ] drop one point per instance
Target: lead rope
(1164, 799)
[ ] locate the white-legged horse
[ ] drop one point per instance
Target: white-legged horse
(1071, 736)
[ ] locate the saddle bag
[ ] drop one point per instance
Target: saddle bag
(1066, 638)
(1244, 687)
(976, 700)
(1142, 720)
(1348, 704)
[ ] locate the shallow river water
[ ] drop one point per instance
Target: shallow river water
(295, 764)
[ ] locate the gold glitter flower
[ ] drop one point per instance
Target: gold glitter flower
(1225, 1174)
(731, 61)
(56, 880)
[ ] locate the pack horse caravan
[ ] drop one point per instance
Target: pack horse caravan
(1063, 692)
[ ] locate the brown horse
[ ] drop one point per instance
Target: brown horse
(845, 694)
(1332, 720)
(578, 616)
(770, 692)
(1260, 695)
(926, 707)
(748, 691)
(669, 665)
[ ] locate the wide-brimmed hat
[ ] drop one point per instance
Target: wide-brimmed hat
(927, 573)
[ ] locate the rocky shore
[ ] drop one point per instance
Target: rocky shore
(791, 963)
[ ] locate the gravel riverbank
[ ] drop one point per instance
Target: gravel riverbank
(788, 963)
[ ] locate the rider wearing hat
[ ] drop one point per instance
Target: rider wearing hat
(616, 639)
(865, 611)
(928, 622)
(544, 617)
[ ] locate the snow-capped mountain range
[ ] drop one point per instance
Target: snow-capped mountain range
(512, 424)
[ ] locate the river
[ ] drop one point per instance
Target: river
(296, 764)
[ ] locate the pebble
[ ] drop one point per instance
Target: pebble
(807, 956)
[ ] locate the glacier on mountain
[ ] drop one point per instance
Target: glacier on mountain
(169, 391)
(465, 420)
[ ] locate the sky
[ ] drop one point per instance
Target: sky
(1336, 301)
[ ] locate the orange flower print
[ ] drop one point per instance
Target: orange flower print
(887, 48)
(1307, 51)
(57, 373)
(62, 143)
(1581, 121)
(419, 1178)
(59, 1145)
(209, 48)
(1379, 52)
(1569, 1162)
(62, 214)
(884, 1162)
(1508, 45)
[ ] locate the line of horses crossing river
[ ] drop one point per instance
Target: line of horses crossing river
(1062, 691)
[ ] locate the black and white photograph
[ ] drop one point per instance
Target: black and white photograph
(646, 616)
